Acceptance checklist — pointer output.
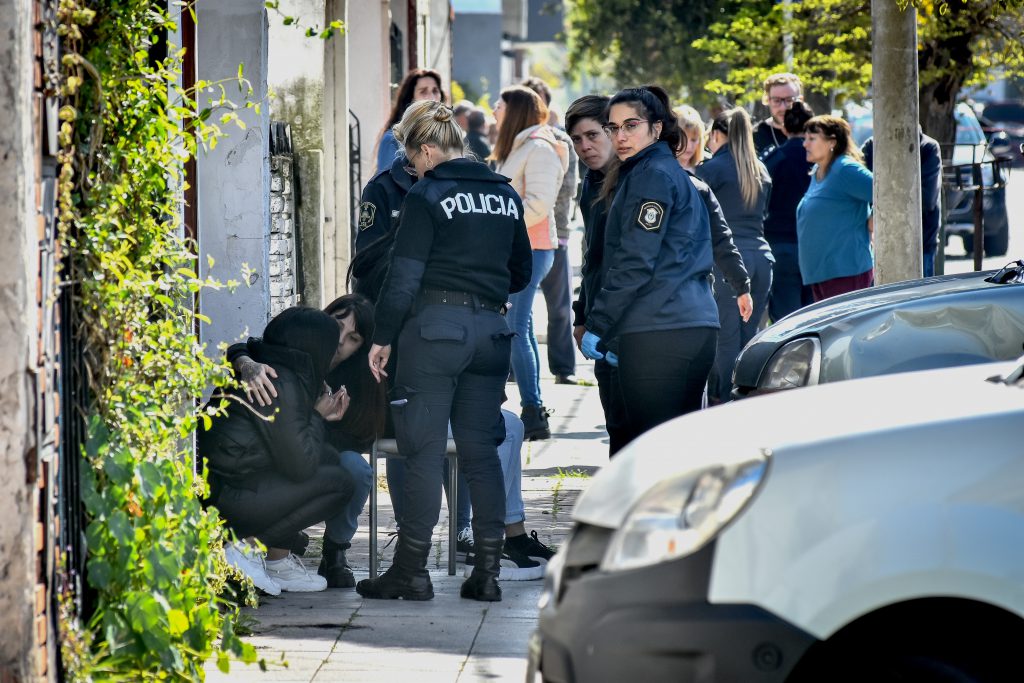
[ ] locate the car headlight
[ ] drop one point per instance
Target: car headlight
(795, 365)
(678, 516)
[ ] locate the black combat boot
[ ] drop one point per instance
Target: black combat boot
(482, 584)
(535, 423)
(334, 566)
(406, 578)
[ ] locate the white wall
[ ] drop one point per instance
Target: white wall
(370, 96)
(234, 178)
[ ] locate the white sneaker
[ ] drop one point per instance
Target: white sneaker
(249, 561)
(291, 575)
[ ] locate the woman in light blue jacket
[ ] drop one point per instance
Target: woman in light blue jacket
(833, 219)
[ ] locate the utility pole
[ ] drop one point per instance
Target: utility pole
(897, 156)
(19, 259)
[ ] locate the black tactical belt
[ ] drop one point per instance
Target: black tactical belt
(450, 298)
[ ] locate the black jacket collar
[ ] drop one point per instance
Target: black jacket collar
(465, 169)
(402, 178)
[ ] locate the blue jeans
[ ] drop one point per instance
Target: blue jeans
(928, 264)
(557, 288)
(525, 355)
(342, 527)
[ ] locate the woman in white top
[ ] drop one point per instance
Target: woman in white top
(528, 153)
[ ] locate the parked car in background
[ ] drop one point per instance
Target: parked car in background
(914, 325)
(861, 531)
(971, 146)
(1008, 116)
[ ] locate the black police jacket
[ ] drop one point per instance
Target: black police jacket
(727, 255)
(242, 444)
(461, 229)
(381, 202)
(595, 214)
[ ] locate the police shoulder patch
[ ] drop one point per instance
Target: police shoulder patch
(367, 212)
(650, 215)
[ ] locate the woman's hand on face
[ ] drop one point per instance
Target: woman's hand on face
(746, 305)
(379, 356)
(256, 378)
(332, 407)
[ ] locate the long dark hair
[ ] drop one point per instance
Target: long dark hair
(310, 331)
(796, 117)
(523, 108)
(406, 91)
(365, 415)
(651, 102)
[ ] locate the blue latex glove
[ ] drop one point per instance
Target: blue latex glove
(589, 346)
(611, 359)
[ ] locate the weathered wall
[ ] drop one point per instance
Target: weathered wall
(296, 75)
(18, 270)
(368, 84)
(234, 178)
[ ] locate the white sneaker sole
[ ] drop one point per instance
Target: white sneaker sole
(304, 587)
(513, 573)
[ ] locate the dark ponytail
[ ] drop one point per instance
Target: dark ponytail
(652, 103)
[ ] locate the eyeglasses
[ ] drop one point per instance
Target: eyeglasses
(784, 100)
(410, 168)
(628, 127)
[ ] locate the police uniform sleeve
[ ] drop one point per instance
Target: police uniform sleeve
(642, 221)
(520, 259)
(413, 241)
(374, 215)
(727, 256)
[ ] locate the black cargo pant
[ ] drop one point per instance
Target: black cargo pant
(454, 362)
(662, 374)
(616, 421)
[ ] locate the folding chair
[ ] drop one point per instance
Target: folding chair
(388, 449)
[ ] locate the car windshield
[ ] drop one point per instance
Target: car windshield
(1005, 112)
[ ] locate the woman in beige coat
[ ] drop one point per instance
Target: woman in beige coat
(528, 153)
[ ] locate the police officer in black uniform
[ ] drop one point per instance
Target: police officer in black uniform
(380, 203)
(460, 250)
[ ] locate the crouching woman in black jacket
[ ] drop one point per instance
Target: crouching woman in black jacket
(272, 478)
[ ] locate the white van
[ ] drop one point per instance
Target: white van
(870, 530)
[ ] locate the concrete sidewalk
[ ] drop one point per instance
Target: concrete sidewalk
(337, 636)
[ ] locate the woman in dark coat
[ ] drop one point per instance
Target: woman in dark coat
(742, 185)
(270, 479)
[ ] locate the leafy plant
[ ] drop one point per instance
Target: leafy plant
(155, 556)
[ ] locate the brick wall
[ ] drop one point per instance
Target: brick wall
(283, 253)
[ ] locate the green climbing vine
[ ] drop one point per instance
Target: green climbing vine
(155, 556)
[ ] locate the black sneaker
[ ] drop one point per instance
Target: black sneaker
(515, 566)
(531, 547)
(535, 423)
(464, 547)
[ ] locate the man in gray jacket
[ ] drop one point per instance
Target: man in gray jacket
(557, 285)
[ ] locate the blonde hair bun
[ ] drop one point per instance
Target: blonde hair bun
(443, 114)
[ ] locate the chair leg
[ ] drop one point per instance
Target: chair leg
(453, 512)
(372, 514)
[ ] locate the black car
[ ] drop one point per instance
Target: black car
(1009, 117)
(914, 325)
(973, 147)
